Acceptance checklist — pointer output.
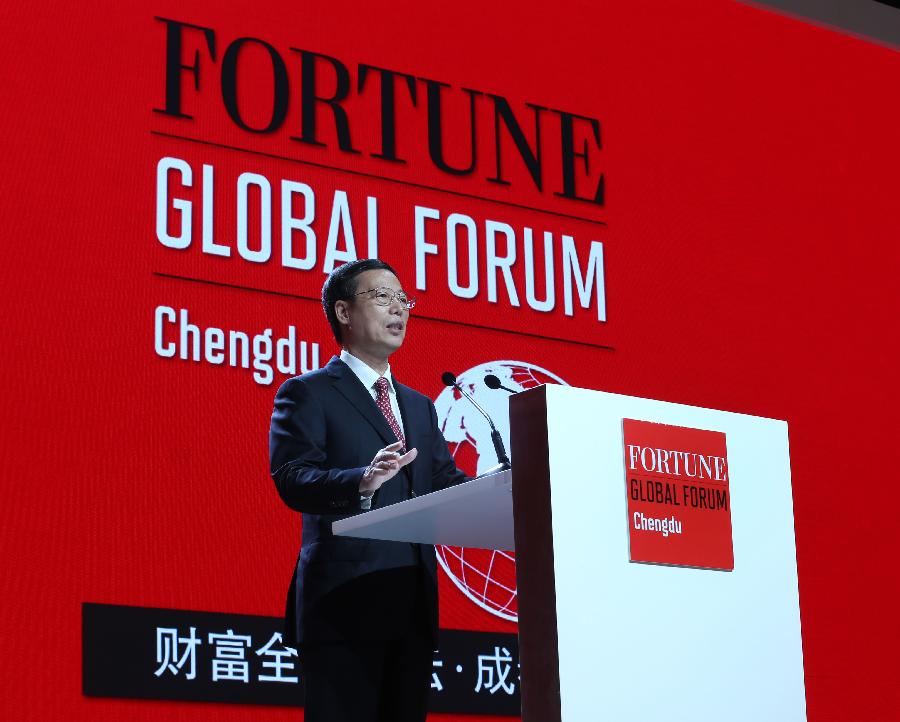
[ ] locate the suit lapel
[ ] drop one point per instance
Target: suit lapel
(349, 385)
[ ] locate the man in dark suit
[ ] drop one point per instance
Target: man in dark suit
(344, 439)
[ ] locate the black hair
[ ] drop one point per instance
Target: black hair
(341, 285)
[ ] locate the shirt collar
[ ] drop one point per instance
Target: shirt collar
(366, 373)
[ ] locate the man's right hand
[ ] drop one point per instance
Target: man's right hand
(384, 467)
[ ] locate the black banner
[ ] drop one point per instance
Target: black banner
(173, 654)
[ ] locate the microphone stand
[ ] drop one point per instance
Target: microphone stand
(450, 380)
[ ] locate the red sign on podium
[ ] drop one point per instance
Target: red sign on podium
(679, 506)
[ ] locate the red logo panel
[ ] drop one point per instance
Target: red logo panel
(679, 506)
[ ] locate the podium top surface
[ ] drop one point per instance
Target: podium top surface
(476, 514)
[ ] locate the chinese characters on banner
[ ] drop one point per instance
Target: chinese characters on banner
(136, 652)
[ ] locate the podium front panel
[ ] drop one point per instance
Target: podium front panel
(650, 641)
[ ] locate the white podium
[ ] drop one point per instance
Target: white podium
(477, 514)
(602, 637)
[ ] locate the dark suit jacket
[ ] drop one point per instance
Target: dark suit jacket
(325, 430)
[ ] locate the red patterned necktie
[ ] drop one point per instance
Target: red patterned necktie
(384, 403)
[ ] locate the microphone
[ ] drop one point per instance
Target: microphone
(449, 379)
(492, 382)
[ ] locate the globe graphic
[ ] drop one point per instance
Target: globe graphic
(487, 577)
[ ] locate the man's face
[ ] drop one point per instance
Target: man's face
(368, 327)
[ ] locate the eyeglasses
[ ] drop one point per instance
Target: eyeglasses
(385, 297)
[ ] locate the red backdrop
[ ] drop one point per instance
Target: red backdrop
(751, 199)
